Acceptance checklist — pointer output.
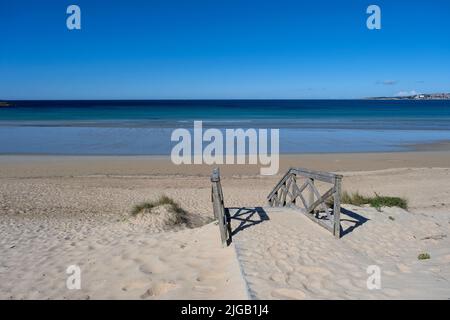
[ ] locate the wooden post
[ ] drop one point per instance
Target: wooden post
(294, 181)
(212, 199)
(283, 201)
(218, 206)
(337, 207)
(311, 193)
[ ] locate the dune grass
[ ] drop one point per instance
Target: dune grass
(424, 256)
(148, 206)
(376, 201)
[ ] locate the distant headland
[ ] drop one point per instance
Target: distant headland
(4, 104)
(419, 96)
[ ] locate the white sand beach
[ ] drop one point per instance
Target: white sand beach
(61, 211)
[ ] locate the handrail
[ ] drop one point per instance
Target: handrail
(280, 183)
(287, 187)
(318, 175)
(314, 174)
(220, 213)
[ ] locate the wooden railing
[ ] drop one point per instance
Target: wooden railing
(220, 212)
(313, 204)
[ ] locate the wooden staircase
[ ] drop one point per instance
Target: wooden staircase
(296, 190)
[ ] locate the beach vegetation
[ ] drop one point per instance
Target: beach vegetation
(376, 201)
(172, 206)
(424, 256)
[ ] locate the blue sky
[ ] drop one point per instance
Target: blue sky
(189, 49)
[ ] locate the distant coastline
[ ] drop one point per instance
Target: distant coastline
(4, 104)
(420, 96)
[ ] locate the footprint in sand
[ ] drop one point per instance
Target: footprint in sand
(284, 266)
(152, 265)
(278, 277)
(286, 293)
(146, 269)
(158, 289)
(134, 285)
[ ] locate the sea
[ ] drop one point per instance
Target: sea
(144, 127)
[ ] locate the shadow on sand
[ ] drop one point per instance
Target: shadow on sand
(350, 220)
(247, 217)
(251, 216)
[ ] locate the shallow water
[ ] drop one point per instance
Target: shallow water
(145, 127)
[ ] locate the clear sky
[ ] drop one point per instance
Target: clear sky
(162, 49)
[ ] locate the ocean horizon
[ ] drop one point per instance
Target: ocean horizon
(143, 127)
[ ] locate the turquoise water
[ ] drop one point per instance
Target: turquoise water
(144, 127)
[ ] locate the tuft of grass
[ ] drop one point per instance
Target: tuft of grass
(423, 256)
(384, 201)
(354, 198)
(377, 201)
(141, 207)
(391, 218)
(148, 206)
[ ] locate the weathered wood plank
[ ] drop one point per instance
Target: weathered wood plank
(287, 185)
(318, 175)
(337, 207)
(311, 190)
(279, 184)
(321, 199)
(317, 193)
(219, 208)
(293, 194)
